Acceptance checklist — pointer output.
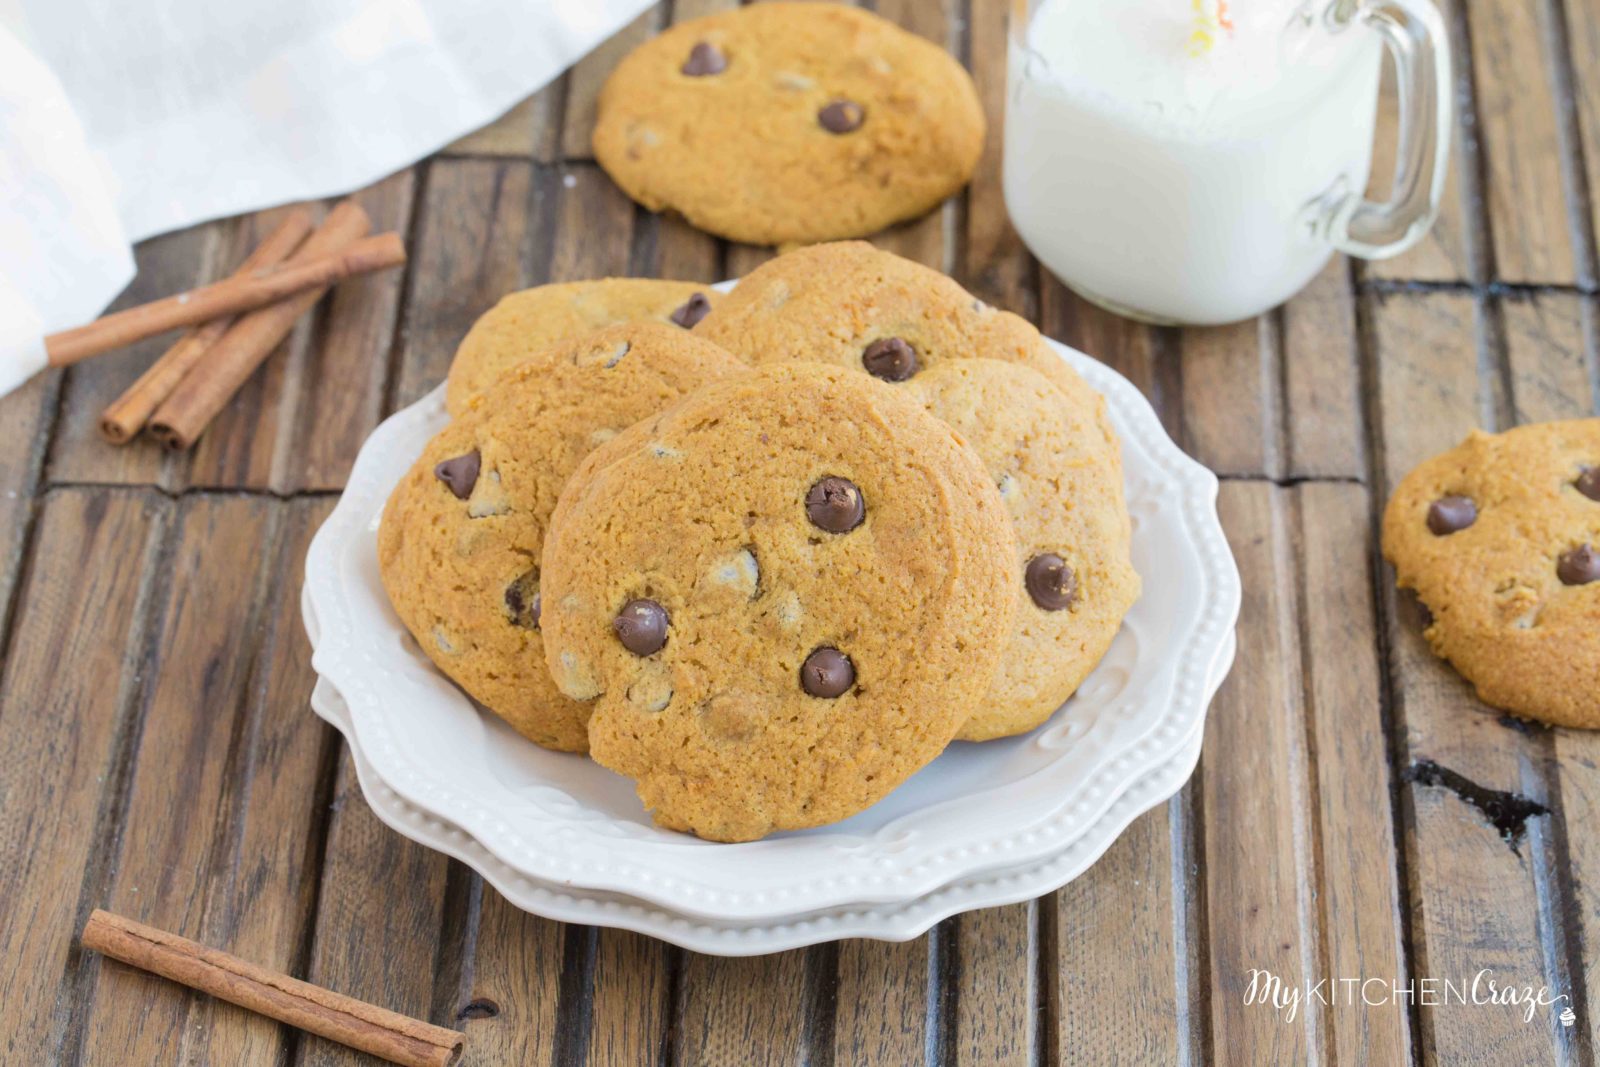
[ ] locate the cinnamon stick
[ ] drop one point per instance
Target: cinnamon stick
(227, 297)
(228, 364)
(351, 1022)
(126, 416)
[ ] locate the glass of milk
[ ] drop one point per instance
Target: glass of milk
(1198, 161)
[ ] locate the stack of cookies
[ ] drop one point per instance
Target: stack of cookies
(767, 553)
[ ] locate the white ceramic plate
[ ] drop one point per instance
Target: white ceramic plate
(563, 820)
(883, 922)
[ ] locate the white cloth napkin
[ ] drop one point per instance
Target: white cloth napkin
(122, 120)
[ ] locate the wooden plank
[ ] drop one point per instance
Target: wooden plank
(1474, 899)
(28, 414)
(738, 1012)
(882, 1002)
(511, 1012)
(1583, 43)
(299, 421)
(1450, 251)
(995, 985)
(1517, 124)
(1255, 797)
(474, 225)
(226, 728)
(1545, 352)
(166, 265)
(1121, 910)
(380, 913)
(1231, 395)
(1323, 426)
(1358, 893)
(66, 710)
(593, 227)
(632, 1009)
(530, 130)
(997, 266)
(202, 659)
(590, 73)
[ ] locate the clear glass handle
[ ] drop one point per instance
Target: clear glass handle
(1414, 34)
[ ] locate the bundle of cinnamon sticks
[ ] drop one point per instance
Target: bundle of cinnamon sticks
(233, 324)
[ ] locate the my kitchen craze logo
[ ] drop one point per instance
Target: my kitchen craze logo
(1481, 990)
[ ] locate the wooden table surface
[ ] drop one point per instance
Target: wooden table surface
(158, 757)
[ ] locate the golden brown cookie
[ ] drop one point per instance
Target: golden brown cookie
(528, 321)
(783, 595)
(789, 123)
(862, 307)
(1500, 539)
(1061, 482)
(459, 545)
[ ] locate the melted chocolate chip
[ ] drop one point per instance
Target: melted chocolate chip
(827, 673)
(835, 505)
(890, 358)
(693, 310)
(704, 59)
(460, 473)
(641, 626)
(1579, 566)
(522, 600)
(1588, 483)
(1449, 514)
(841, 116)
(1050, 582)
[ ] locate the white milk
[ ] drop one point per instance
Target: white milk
(1179, 177)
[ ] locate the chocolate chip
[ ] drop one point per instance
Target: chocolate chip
(841, 116)
(1050, 582)
(1588, 483)
(522, 600)
(692, 311)
(1449, 514)
(641, 626)
(890, 358)
(827, 673)
(704, 59)
(835, 505)
(460, 473)
(1579, 566)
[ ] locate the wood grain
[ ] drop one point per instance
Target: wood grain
(511, 1011)
(1115, 931)
(1517, 123)
(529, 130)
(470, 250)
(590, 73)
(882, 999)
(743, 1011)
(1323, 429)
(1358, 891)
(1253, 780)
(67, 709)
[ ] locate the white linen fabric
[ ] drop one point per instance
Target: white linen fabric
(122, 120)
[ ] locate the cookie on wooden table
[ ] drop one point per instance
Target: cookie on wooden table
(525, 322)
(1500, 539)
(783, 595)
(789, 123)
(1061, 482)
(461, 535)
(859, 306)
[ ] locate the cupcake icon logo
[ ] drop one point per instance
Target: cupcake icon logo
(1568, 1016)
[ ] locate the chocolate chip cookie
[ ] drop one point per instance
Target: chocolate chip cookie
(783, 596)
(1500, 539)
(1061, 482)
(859, 306)
(525, 322)
(459, 545)
(789, 123)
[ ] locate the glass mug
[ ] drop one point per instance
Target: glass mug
(1180, 162)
